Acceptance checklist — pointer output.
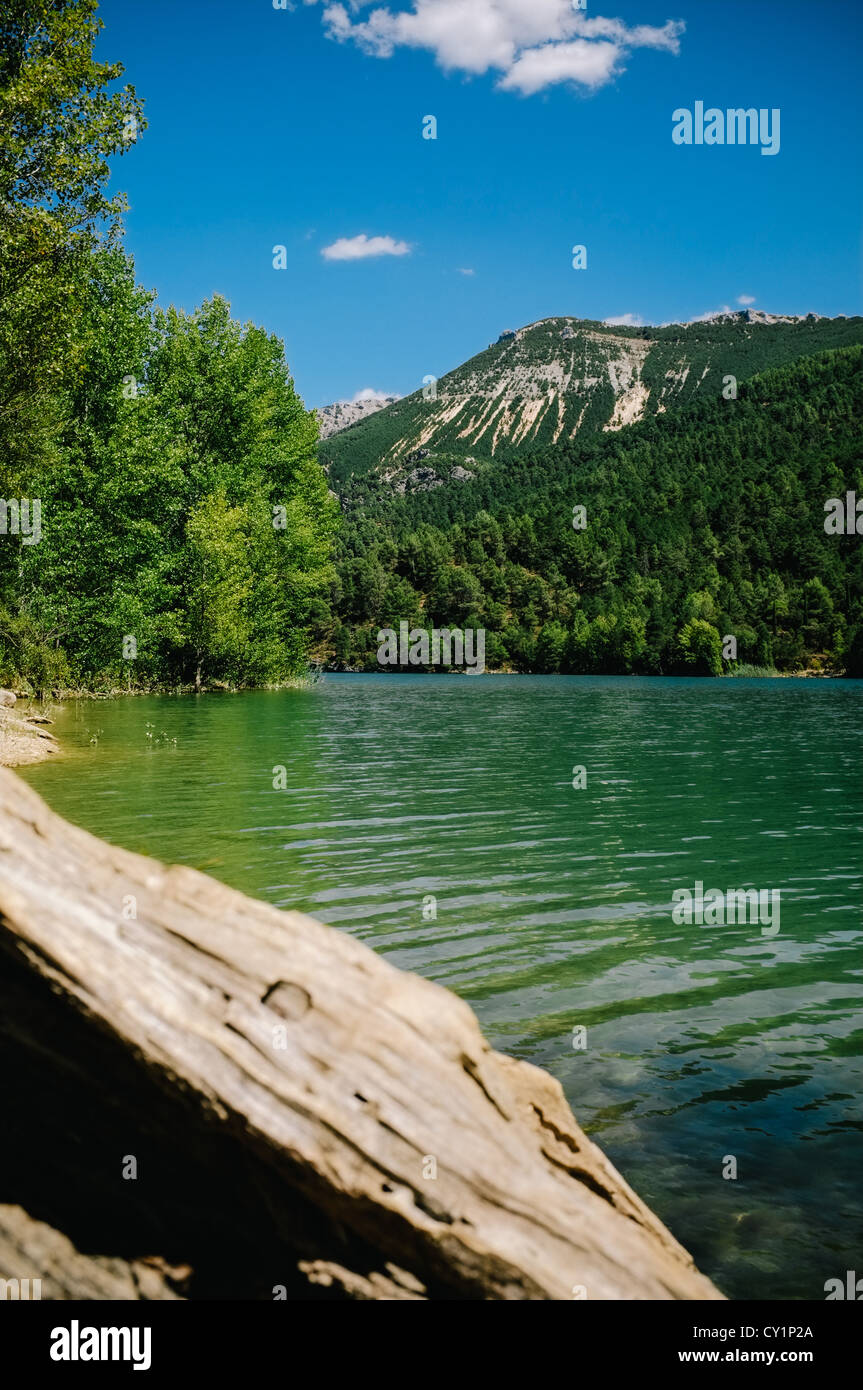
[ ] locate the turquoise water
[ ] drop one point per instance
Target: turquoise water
(553, 905)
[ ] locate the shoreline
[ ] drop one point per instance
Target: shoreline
(23, 737)
(24, 740)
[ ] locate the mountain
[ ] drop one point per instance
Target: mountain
(700, 523)
(341, 414)
(556, 381)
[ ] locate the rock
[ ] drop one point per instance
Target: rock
(342, 414)
(22, 741)
(422, 480)
(240, 1100)
(7, 698)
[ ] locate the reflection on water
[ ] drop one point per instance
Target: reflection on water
(436, 819)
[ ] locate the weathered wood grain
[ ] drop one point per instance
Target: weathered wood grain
(283, 1091)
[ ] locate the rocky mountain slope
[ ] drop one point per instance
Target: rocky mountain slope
(341, 414)
(559, 378)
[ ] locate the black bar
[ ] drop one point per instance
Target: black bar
(249, 1339)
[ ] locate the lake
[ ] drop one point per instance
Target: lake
(436, 818)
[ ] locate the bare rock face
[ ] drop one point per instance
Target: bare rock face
(341, 414)
(206, 1097)
(7, 698)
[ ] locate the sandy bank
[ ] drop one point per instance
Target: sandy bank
(23, 735)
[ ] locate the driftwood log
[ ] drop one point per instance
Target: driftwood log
(204, 1097)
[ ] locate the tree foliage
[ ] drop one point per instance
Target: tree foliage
(186, 523)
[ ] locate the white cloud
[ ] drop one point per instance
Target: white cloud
(369, 393)
(533, 44)
(359, 248)
(625, 321)
(591, 64)
(466, 270)
(746, 299)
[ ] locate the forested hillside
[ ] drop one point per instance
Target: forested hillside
(700, 524)
(163, 518)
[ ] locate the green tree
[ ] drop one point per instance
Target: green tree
(551, 646)
(699, 647)
(58, 127)
(219, 584)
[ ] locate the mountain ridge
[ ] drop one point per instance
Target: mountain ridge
(556, 379)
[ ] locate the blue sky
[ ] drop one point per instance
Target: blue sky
(303, 128)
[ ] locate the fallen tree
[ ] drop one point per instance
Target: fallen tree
(205, 1097)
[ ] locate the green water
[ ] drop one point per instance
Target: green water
(553, 905)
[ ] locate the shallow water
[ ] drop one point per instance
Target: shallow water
(553, 905)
